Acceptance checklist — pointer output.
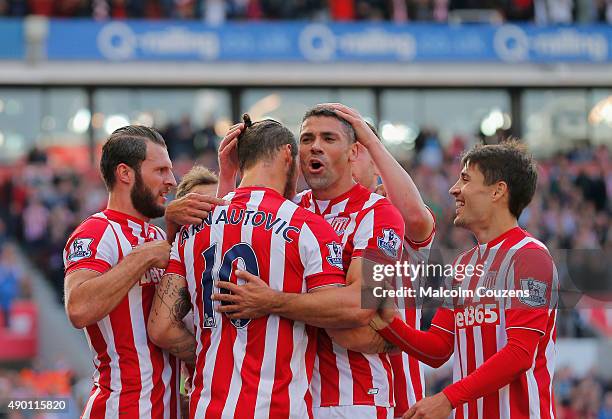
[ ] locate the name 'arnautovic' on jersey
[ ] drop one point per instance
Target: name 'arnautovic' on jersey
(365, 222)
(132, 376)
(255, 367)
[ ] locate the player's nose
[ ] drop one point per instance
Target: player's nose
(316, 146)
(171, 180)
(455, 190)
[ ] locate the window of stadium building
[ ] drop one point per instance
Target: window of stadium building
(191, 120)
(20, 113)
(555, 119)
(289, 105)
(54, 119)
(413, 118)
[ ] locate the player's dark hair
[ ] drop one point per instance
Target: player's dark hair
(261, 140)
(509, 162)
(325, 111)
(127, 145)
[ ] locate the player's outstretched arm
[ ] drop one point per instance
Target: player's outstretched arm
(165, 326)
(362, 339)
(433, 347)
(90, 296)
(399, 186)
(501, 369)
(327, 307)
(189, 209)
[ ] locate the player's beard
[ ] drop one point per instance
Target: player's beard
(143, 199)
(320, 181)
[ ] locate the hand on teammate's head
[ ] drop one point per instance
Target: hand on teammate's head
(228, 151)
(363, 132)
(192, 208)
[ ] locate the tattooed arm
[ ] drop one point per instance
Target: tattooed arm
(166, 329)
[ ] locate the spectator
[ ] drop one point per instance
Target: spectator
(606, 409)
(342, 10)
(548, 12)
(35, 222)
(9, 283)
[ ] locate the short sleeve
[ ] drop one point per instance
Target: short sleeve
(532, 276)
(176, 265)
(93, 245)
(379, 233)
(320, 254)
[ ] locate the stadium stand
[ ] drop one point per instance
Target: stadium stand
(400, 11)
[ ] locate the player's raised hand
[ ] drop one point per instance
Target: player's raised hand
(248, 301)
(157, 252)
(228, 152)
(364, 133)
(433, 407)
(191, 208)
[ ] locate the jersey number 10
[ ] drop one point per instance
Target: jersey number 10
(223, 271)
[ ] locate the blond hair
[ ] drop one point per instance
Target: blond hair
(198, 175)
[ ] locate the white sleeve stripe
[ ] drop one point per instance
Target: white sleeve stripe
(310, 253)
(526, 328)
(441, 328)
(365, 231)
(107, 247)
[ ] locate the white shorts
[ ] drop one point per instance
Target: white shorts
(353, 412)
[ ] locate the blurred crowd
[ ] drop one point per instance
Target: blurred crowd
(39, 384)
(219, 11)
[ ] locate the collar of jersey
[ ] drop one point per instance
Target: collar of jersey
(256, 188)
(355, 189)
(123, 217)
(501, 237)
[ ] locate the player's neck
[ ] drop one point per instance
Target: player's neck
(123, 203)
(494, 227)
(263, 178)
(342, 186)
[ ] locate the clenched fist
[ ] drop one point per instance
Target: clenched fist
(156, 252)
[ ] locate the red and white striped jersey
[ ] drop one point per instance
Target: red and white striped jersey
(408, 379)
(364, 221)
(132, 377)
(513, 261)
(260, 367)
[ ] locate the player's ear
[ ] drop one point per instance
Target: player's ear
(124, 174)
(287, 154)
(353, 151)
(500, 190)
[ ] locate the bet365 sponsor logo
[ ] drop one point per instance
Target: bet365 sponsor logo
(476, 315)
(151, 277)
